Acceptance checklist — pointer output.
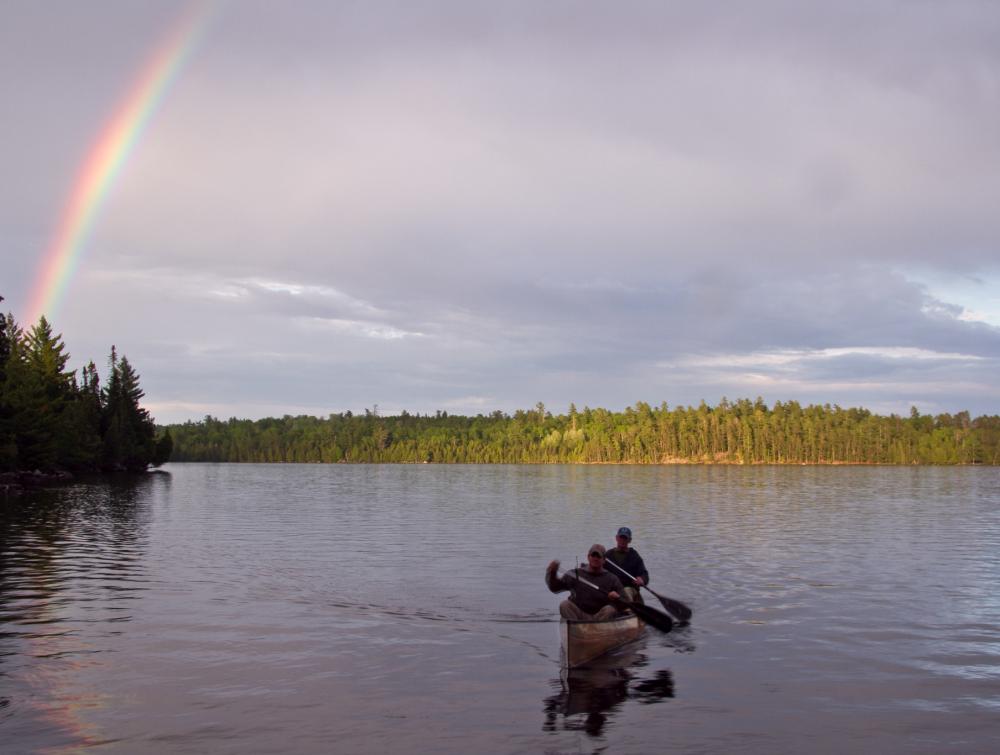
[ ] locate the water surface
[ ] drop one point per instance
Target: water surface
(307, 608)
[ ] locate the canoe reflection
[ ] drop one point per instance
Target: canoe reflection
(588, 698)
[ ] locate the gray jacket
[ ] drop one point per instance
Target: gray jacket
(587, 598)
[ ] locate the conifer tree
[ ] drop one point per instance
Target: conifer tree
(4, 343)
(47, 355)
(163, 448)
(47, 358)
(31, 418)
(49, 421)
(8, 445)
(81, 449)
(128, 432)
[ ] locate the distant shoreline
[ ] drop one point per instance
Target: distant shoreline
(600, 463)
(742, 432)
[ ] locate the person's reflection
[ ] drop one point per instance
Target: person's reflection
(587, 698)
(654, 690)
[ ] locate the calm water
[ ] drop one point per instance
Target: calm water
(244, 608)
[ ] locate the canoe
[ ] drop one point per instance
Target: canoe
(583, 641)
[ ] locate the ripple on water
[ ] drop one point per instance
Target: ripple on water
(403, 608)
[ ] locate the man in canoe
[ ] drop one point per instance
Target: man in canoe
(630, 563)
(586, 603)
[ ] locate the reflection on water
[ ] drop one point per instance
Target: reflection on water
(588, 697)
(392, 609)
(71, 565)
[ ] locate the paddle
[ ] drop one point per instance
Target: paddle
(675, 607)
(647, 613)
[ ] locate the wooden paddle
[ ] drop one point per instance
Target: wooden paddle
(647, 613)
(675, 607)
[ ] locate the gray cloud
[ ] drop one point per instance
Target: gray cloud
(476, 206)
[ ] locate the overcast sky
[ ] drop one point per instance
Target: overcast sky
(473, 206)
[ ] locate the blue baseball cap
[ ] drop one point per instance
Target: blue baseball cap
(624, 532)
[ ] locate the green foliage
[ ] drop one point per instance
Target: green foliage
(31, 419)
(741, 432)
(49, 421)
(126, 428)
(8, 442)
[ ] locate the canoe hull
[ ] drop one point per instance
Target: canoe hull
(583, 641)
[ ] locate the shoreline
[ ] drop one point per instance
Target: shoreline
(668, 463)
(13, 484)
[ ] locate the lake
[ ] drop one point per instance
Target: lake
(341, 608)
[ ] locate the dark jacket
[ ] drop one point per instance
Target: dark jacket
(631, 562)
(586, 597)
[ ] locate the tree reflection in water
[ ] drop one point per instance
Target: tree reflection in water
(70, 557)
(588, 697)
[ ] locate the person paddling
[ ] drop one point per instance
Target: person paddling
(630, 561)
(586, 603)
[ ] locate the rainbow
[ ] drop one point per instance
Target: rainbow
(106, 157)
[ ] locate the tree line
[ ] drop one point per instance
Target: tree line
(51, 421)
(740, 432)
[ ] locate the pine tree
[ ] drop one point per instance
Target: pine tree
(163, 449)
(5, 339)
(49, 421)
(46, 353)
(127, 430)
(30, 419)
(47, 360)
(8, 444)
(82, 423)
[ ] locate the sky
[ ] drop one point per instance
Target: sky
(477, 206)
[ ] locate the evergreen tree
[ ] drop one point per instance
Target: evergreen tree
(5, 340)
(163, 448)
(8, 443)
(128, 432)
(82, 449)
(47, 359)
(31, 418)
(46, 352)
(49, 421)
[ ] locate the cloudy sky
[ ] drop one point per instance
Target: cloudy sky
(473, 206)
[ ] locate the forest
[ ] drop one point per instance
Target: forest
(52, 422)
(740, 432)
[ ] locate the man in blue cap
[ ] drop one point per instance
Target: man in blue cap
(631, 569)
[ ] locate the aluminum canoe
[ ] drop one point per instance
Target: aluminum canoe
(583, 641)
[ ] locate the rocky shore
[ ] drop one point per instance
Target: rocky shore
(15, 483)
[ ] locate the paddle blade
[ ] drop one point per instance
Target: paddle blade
(651, 616)
(676, 609)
